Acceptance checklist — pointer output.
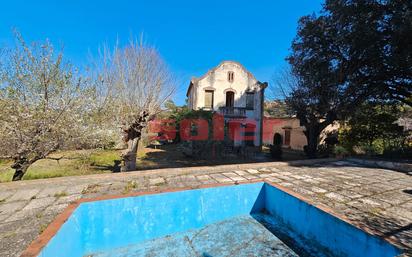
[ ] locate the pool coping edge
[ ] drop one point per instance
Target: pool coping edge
(35, 247)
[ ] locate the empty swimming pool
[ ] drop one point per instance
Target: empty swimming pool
(256, 219)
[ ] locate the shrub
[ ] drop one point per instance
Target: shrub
(332, 138)
(373, 130)
(325, 150)
(394, 153)
(276, 148)
(370, 150)
(277, 139)
(341, 151)
(199, 149)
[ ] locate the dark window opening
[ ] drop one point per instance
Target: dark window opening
(230, 76)
(230, 99)
(250, 100)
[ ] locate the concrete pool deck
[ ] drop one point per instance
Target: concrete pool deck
(379, 200)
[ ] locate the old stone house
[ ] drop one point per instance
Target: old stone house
(291, 131)
(232, 91)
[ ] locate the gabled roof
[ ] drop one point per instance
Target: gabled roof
(194, 80)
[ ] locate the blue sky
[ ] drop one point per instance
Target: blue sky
(192, 36)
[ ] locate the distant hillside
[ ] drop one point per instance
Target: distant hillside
(276, 109)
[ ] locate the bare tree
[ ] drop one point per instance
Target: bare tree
(131, 85)
(283, 82)
(40, 105)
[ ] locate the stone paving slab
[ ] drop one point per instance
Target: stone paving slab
(377, 199)
(52, 191)
(23, 195)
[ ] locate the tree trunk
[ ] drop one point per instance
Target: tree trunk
(312, 134)
(129, 156)
(20, 167)
(312, 150)
(131, 136)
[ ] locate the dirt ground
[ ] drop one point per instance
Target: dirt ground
(172, 156)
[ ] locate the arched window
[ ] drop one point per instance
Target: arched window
(230, 99)
(230, 76)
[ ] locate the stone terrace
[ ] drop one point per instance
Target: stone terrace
(379, 200)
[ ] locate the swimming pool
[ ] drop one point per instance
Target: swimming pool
(256, 219)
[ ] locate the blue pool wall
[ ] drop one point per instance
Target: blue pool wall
(103, 225)
(333, 233)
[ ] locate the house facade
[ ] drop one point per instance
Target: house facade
(232, 91)
(292, 133)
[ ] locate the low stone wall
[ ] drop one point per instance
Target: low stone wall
(399, 166)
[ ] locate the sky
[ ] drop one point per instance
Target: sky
(192, 36)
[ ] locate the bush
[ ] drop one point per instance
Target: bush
(277, 139)
(332, 138)
(370, 150)
(395, 153)
(204, 149)
(179, 114)
(276, 151)
(276, 148)
(340, 151)
(325, 150)
(373, 130)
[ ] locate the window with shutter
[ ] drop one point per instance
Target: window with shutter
(287, 137)
(209, 99)
(250, 100)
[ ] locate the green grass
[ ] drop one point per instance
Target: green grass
(81, 162)
(60, 194)
(104, 157)
(129, 186)
(42, 227)
(93, 188)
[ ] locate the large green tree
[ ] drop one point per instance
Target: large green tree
(351, 52)
(374, 123)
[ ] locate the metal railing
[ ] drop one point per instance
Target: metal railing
(233, 111)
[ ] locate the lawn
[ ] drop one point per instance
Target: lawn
(80, 162)
(84, 162)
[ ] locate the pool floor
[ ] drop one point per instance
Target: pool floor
(239, 236)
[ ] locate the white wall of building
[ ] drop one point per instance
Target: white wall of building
(216, 79)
